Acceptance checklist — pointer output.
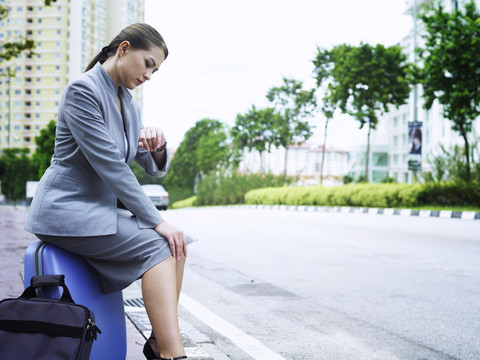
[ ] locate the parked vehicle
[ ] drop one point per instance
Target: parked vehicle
(158, 195)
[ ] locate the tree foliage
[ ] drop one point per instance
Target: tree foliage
(204, 148)
(15, 171)
(45, 142)
(363, 81)
(451, 66)
(294, 105)
(253, 130)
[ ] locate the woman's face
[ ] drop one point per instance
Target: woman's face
(137, 66)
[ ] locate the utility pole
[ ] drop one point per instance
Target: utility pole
(415, 89)
(415, 127)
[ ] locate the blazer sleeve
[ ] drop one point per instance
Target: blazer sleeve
(84, 118)
(145, 159)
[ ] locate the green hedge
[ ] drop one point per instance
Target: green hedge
(370, 195)
(230, 188)
(191, 201)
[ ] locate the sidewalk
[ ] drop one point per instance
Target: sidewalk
(13, 242)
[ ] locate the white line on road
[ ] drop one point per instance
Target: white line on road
(247, 343)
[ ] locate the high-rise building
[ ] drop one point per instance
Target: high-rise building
(398, 125)
(68, 34)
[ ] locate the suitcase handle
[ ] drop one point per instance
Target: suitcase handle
(47, 280)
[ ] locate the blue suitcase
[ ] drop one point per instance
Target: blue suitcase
(86, 289)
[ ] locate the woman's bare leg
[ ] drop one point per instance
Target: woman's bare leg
(160, 288)
(180, 267)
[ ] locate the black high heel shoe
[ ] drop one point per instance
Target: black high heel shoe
(150, 354)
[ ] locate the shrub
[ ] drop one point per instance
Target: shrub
(222, 188)
(371, 195)
(190, 202)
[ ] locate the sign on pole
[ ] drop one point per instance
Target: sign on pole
(415, 140)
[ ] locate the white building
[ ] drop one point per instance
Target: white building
(436, 129)
(303, 161)
(67, 34)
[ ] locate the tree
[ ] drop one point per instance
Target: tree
(451, 66)
(45, 142)
(204, 148)
(253, 130)
(293, 104)
(15, 171)
(322, 74)
(11, 49)
(363, 81)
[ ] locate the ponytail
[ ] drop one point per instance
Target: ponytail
(140, 36)
(101, 57)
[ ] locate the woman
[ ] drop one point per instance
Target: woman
(99, 133)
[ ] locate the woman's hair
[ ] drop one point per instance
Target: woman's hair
(140, 36)
(416, 133)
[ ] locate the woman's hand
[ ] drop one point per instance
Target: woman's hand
(175, 238)
(151, 138)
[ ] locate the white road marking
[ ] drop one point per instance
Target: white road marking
(247, 343)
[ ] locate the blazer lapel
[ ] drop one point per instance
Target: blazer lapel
(129, 117)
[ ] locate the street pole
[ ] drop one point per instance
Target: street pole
(415, 91)
(415, 88)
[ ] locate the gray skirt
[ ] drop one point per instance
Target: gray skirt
(121, 258)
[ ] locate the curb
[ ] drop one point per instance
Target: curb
(137, 315)
(446, 214)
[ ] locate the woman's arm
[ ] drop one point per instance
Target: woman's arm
(87, 125)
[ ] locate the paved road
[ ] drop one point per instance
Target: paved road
(299, 285)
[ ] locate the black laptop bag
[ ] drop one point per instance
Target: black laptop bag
(34, 327)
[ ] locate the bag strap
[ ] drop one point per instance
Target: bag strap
(47, 280)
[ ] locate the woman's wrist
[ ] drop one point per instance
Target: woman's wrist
(162, 148)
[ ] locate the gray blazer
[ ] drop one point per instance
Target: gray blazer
(77, 195)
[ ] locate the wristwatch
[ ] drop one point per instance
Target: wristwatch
(163, 147)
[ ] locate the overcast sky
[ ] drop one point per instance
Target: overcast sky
(226, 54)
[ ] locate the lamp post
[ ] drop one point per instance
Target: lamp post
(415, 91)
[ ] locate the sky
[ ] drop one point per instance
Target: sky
(224, 56)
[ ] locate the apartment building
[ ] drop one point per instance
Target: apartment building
(397, 125)
(68, 33)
